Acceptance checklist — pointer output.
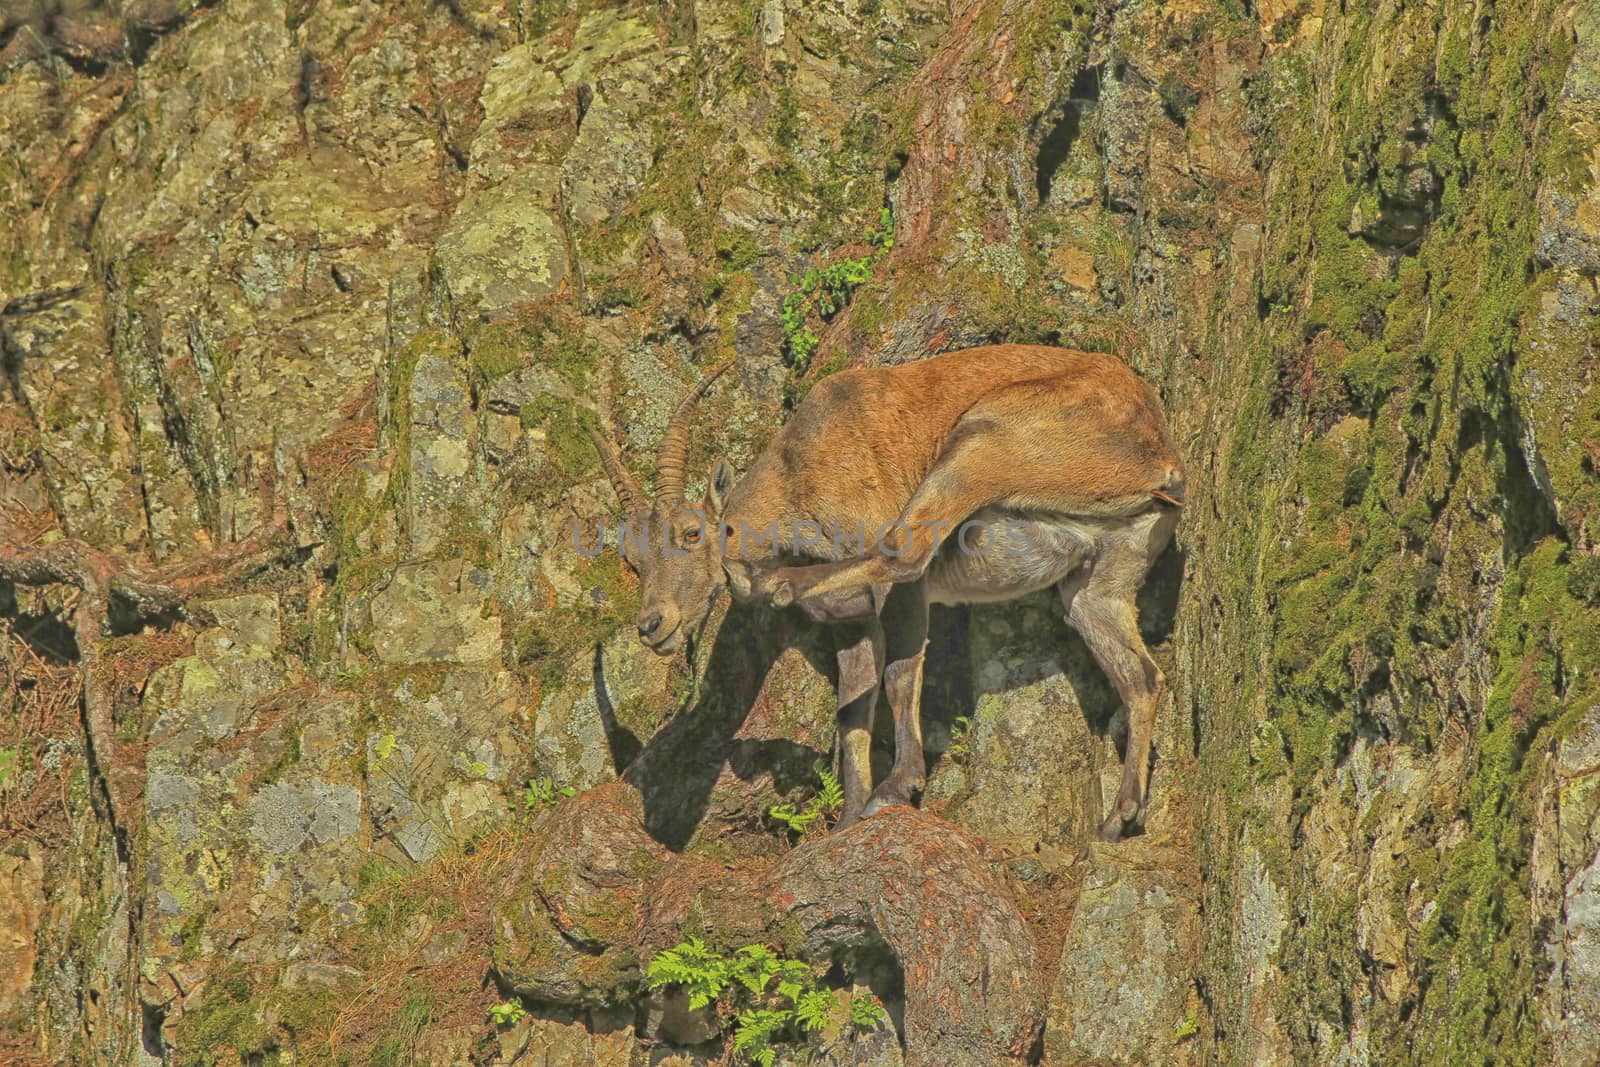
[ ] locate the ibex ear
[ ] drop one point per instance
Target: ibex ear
(718, 487)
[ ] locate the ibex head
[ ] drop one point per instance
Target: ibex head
(674, 545)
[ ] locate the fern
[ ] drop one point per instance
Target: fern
(757, 966)
(865, 1013)
(811, 1011)
(827, 802)
(831, 796)
(702, 973)
(794, 978)
(754, 1031)
(794, 819)
(771, 998)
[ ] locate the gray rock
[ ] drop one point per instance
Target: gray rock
(252, 621)
(441, 460)
(1124, 990)
(578, 724)
(607, 164)
(284, 817)
(1032, 774)
(1566, 891)
(436, 612)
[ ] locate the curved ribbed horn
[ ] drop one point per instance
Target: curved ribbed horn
(675, 441)
(621, 481)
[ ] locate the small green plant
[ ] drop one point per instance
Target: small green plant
(770, 999)
(384, 748)
(865, 1013)
(507, 1013)
(1187, 1027)
(543, 792)
(827, 802)
(8, 765)
(960, 738)
(825, 290)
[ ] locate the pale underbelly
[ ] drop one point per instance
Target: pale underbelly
(997, 556)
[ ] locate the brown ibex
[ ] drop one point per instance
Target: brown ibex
(994, 471)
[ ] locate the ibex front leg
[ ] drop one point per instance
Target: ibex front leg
(902, 552)
(860, 658)
(905, 627)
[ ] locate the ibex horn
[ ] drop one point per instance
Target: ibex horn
(675, 441)
(621, 481)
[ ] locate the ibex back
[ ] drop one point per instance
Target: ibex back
(977, 475)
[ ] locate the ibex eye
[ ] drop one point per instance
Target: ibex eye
(691, 536)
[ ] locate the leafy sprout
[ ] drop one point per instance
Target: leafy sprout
(826, 803)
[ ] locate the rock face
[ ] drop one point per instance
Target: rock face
(371, 271)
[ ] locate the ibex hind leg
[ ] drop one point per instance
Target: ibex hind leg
(1100, 604)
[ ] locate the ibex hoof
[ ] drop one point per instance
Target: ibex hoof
(782, 595)
(894, 790)
(1124, 822)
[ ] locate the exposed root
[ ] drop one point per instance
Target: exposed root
(98, 578)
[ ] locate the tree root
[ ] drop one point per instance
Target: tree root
(98, 578)
(902, 885)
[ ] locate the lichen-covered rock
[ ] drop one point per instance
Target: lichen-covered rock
(1566, 889)
(1262, 922)
(253, 811)
(1124, 993)
(86, 444)
(1031, 768)
(591, 728)
(442, 755)
(442, 460)
(551, 1041)
(502, 249)
(436, 612)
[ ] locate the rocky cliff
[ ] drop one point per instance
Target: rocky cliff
(321, 735)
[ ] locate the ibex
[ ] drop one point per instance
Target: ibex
(995, 471)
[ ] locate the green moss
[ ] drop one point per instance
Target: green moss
(1373, 550)
(565, 426)
(227, 1021)
(288, 758)
(548, 334)
(192, 931)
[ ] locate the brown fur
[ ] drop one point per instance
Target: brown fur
(864, 440)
